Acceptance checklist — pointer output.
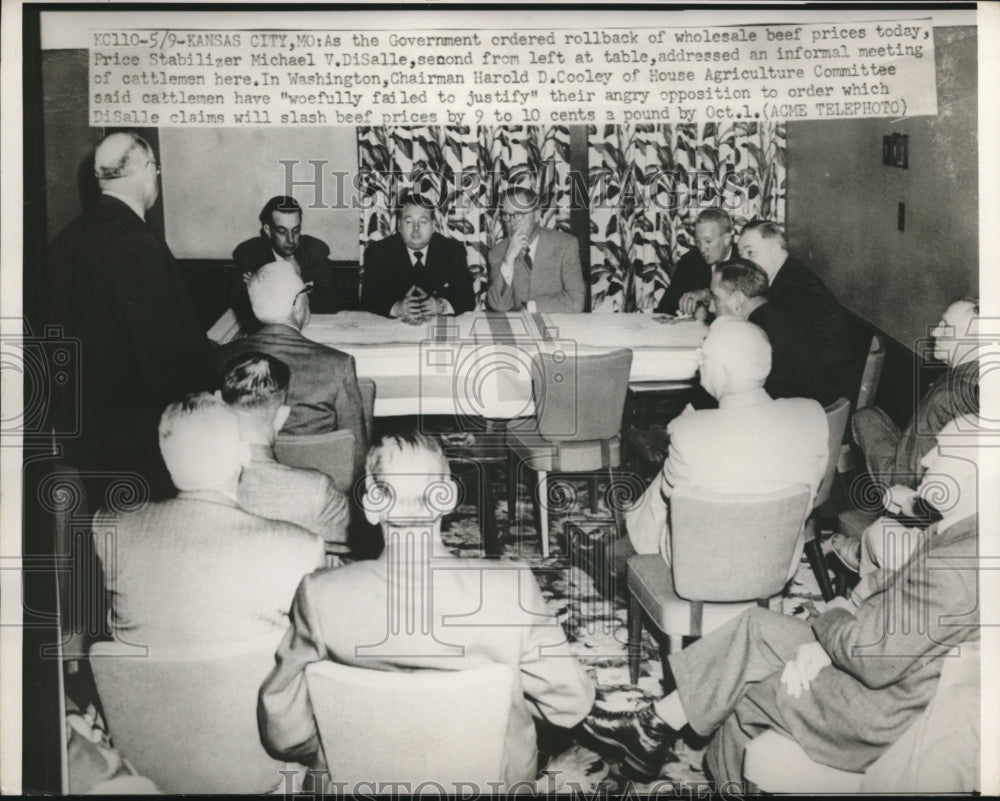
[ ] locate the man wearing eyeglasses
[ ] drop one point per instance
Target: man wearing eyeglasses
(114, 286)
(323, 388)
(533, 268)
(416, 273)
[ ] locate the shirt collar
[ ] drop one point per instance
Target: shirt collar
(130, 202)
(749, 397)
(423, 252)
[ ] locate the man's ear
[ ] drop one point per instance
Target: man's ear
(442, 496)
(266, 229)
(217, 394)
(373, 501)
(281, 416)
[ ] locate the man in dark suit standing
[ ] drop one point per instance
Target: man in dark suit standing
(416, 272)
(739, 289)
(689, 286)
(281, 239)
(323, 391)
(797, 290)
(114, 286)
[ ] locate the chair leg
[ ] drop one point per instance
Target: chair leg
(513, 462)
(488, 513)
(818, 564)
(634, 637)
(595, 492)
(668, 684)
(543, 510)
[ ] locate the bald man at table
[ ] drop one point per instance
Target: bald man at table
(533, 269)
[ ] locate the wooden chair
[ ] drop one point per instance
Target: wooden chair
(441, 726)
(579, 404)
(870, 378)
(728, 552)
(187, 718)
(836, 419)
(366, 386)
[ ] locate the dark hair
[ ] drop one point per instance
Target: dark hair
(745, 276)
(414, 199)
(282, 203)
(511, 194)
(717, 216)
(767, 230)
(256, 381)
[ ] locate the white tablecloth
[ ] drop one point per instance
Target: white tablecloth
(479, 364)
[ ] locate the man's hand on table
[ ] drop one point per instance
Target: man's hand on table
(415, 306)
(900, 500)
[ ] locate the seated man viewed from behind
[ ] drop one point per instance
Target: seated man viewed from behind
(533, 268)
(323, 389)
(739, 289)
(846, 685)
(417, 272)
(197, 569)
(750, 444)
(281, 239)
(337, 613)
(689, 286)
(256, 388)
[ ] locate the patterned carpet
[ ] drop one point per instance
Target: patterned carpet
(596, 630)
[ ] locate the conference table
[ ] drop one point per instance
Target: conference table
(479, 363)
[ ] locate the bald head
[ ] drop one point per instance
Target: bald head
(955, 335)
(201, 444)
(278, 295)
(125, 163)
(735, 357)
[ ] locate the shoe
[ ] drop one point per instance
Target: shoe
(848, 550)
(641, 739)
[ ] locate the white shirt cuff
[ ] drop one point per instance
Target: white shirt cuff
(507, 271)
(532, 307)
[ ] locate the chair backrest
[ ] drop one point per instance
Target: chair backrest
(441, 726)
(582, 397)
(872, 373)
(366, 386)
(836, 423)
(187, 718)
(331, 453)
(731, 546)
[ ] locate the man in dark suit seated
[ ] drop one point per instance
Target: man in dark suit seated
(739, 289)
(256, 388)
(689, 287)
(534, 268)
(281, 239)
(416, 272)
(323, 391)
(846, 685)
(197, 569)
(796, 290)
(351, 615)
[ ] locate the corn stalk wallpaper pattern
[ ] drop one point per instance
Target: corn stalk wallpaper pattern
(462, 170)
(646, 185)
(649, 182)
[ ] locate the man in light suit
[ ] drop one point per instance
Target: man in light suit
(844, 686)
(256, 388)
(347, 615)
(323, 391)
(197, 569)
(534, 269)
(750, 444)
(416, 272)
(281, 239)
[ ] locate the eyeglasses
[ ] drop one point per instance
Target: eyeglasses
(307, 289)
(516, 216)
